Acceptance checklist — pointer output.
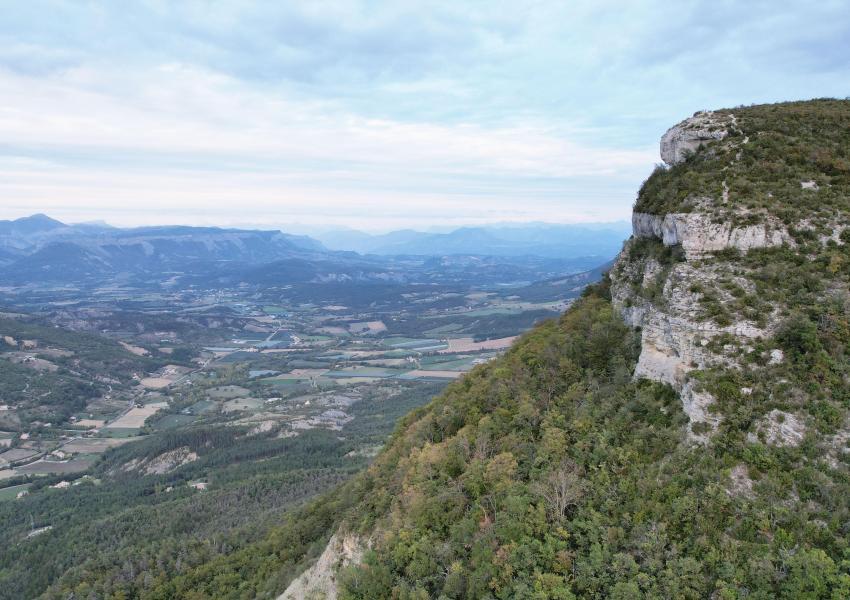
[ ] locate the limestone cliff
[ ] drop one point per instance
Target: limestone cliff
(674, 338)
(681, 251)
(688, 136)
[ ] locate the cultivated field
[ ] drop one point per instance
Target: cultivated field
(89, 423)
(227, 392)
(368, 327)
(155, 383)
(93, 445)
(44, 467)
(136, 416)
(470, 345)
(438, 374)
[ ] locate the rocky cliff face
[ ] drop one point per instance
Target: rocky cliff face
(675, 338)
(675, 259)
(699, 234)
(689, 135)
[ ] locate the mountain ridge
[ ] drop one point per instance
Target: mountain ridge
(40, 249)
(541, 239)
(662, 439)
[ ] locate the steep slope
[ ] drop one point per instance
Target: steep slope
(681, 432)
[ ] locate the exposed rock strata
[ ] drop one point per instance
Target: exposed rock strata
(780, 428)
(319, 582)
(675, 338)
(698, 234)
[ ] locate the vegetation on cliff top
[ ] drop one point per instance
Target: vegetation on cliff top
(770, 150)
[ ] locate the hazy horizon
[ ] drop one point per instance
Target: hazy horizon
(306, 229)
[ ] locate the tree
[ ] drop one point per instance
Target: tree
(561, 490)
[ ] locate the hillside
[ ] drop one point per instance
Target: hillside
(49, 373)
(40, 253)
(703, 456)
(680, 432)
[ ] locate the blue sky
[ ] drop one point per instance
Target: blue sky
(378, 115)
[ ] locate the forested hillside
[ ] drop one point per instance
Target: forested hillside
(680, 432)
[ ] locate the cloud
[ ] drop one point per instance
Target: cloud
(179, 127)
(380, 110)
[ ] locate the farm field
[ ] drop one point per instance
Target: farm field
(431, 373)
(44, 467)
(136, 416)
(470, 345)
(228, 392)
(92, 445)
(11, 493)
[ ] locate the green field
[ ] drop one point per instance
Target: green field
(414, 343)
(119, 432)
(273, 309)
(44, 468)
(174, 421)
(365, 372)
(285, 382)
(10, 493)
(242, 404)
(316, 338)
(448, 328)
(460, 364)
(409, 376)
(202, 406)
(228, 392)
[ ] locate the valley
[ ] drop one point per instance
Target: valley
(368, 300)
(177, 393)
(198, 356)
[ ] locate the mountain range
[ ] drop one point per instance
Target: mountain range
(42, 250)
(535, 239)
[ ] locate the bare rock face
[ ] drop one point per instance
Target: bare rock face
(690, 134)
(162, 463)
(740, 482)
(663, 301)
(319, 582)
(698, 234)
(675, 338)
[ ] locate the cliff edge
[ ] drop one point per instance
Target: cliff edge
(680, 432)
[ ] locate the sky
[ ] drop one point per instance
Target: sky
(378, 115)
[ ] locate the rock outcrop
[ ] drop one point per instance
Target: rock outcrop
(699, 234)
(675, 338)
(319, 582)
(690, 134)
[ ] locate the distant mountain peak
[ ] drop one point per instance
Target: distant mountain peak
(36, 223)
